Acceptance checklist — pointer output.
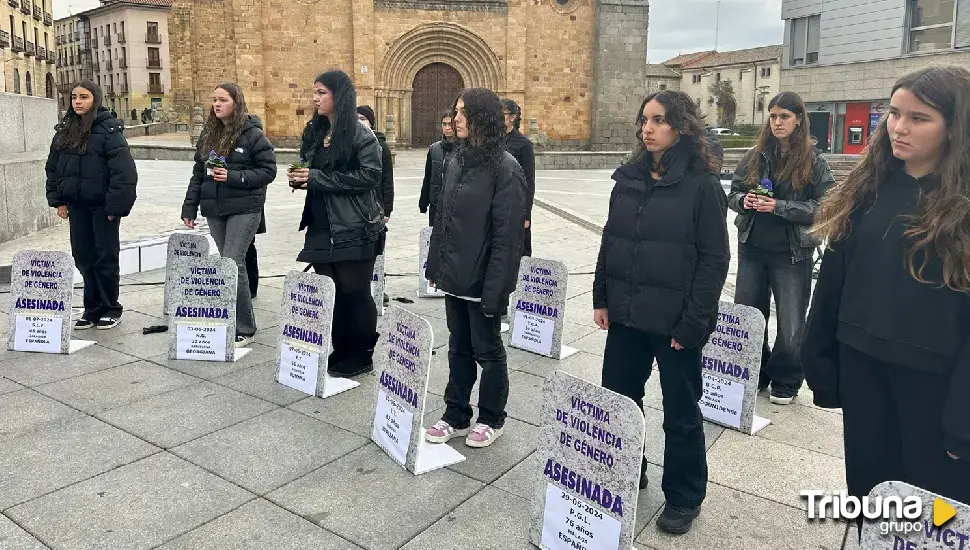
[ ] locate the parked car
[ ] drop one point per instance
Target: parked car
(722, 132)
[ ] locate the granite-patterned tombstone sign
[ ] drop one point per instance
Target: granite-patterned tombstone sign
(587, 479)
(377, 284)
(202, 317)
(41, 293)
(306, 321)
(731, 362)
(425, 290)
(942, 523)
(182, 247)
(402, 392)
(539, 308)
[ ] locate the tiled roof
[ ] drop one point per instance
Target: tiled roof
(686, 58)
(737, 57)
(659, 69)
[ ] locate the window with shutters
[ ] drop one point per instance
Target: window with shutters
(931, 25)
(961, 35)
(805, 33)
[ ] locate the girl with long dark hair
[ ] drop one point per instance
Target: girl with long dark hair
(888, 337)
(91, 181)
(521, 148)
(342, 215)
(659, 275)
(775, 250)
(232, 198)
(476, 248)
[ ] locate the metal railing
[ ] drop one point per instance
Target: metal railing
(4, 39)
(153, 38)
(18, 44)
(38, 13)
(107, 40)
(154, 63)
(122, 63)
(107, 65)
(25, 7)
(48, 19)
(30, 49)
(121, 37)
(155, 89)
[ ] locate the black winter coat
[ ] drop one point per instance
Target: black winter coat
(252, 166)
(664, 255)
(476, 243)
(349, 192)
(795, 207)
(103, 176)
(385, 192)
(521, 148)
(431, 187)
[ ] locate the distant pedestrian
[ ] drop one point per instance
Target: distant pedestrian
(662, 265)
(775, 250)
(476, 249)
(888, 337)
(91, 181)
(439, 150)
(232, 198)
(521, 148)
(385, 192)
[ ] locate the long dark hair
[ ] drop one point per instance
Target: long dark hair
(74, 130)
(941, 226)
(513, 107)
(218, 136)
(486, 125)
(681, 114)
(796, 166)
(345, 123)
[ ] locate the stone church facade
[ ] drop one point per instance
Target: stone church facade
(578, 66)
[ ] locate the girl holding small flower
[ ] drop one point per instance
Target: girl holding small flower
(776, 190)
(234, 162)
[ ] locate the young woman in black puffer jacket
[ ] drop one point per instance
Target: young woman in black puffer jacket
(232, 198)
(91, 181)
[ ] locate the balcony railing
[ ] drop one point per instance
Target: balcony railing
(41, 53)
(121, 37)
(38, 13)
(4, 39)
(107, 40)
(155, 89)
(153, 38)
(30, 49)
(48, 19)
(51, 57)
(94, 42)
(77, 36)
(96, 66)
(107, 65)
(122, 63)
(18, 44)
(154, 63)
(25, 7)
(109, 90)
(124, 88)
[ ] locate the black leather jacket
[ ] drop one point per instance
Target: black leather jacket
(349, 191)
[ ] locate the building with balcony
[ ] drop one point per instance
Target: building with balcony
(843, 57)
(26, 40)
(754, 75)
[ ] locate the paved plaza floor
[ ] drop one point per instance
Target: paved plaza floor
(118, 447)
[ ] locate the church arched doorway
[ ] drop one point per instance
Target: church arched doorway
(435, 87)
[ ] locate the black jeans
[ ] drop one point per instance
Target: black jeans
(475, 338)
(760, 277)
(354, 312)
(892, 427)
(252, 268)
(96, 246)
(431, 210)
(627, 364)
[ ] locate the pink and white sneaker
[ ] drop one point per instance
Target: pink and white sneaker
(482, 436)
(442, 432)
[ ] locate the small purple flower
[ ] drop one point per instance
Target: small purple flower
(222, 159)
(212, 154)
(766, 183)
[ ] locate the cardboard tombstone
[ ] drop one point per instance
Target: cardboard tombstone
(941, 523)
(425, 290)
(378, 284)
(538, 308)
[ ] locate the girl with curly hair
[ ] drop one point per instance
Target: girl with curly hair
(888, 336)
(476, 248)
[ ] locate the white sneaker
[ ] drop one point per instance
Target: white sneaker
(482, 435)
(243, 341)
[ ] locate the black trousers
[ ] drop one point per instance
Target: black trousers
(96, 246)
(431, 212)
(627, 364)
(527, 244)
(354, 311)
(892, 426)
(475, 340)
(252, 267)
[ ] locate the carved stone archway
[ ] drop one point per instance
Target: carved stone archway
(447, 43)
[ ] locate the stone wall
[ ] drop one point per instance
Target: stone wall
(28, 127)
(619, 71)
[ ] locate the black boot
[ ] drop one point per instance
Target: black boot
(356, 364)
(676, 520)
(643, 474)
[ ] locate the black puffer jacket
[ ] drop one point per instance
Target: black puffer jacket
(476, 244)
(431, 187)
(797, 207)
(385, 192)
(102, 176)
(521, 148)
(664, 254)
(348, 192)
(252, 166)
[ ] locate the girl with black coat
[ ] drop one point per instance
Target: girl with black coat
(91, 181)
(521, 148)
(775, 250)
(888, 335)
(476, 248)
(659, 275)
(343, 216)
(232, 198)
(439, 150)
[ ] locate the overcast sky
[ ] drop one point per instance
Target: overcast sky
(676, 26)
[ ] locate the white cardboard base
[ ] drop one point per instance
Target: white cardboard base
(567, 351)
(78, 345)
(334, 385)
(240, 353)
(505, 327)
(435, 456)
(758, 424)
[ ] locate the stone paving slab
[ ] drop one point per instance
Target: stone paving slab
(12, 537)
(260, 381)
(8, 386)
(334, 410)
(259, 525)
(490, 520)
(209, 370)
(26, 410)
(140, 505)
(35, 369)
